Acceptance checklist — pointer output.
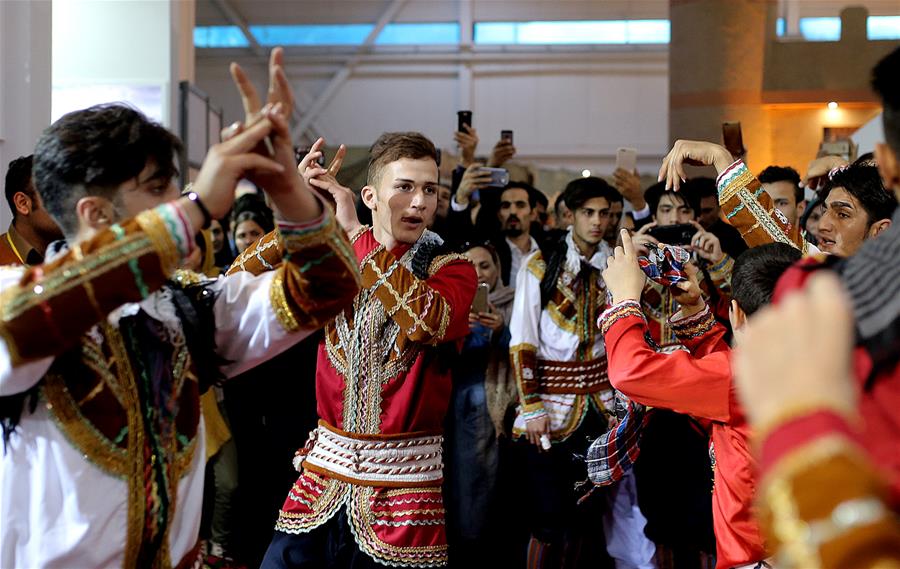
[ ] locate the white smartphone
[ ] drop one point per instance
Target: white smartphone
(626, 159)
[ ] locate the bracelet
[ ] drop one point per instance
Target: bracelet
(207, 218)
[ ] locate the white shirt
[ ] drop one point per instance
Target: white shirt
(57, 509)
(516, 257)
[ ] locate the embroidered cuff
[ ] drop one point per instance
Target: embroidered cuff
(732, 180)
(692, 326)
(722, 270)
(533, 411)
(170, 231)
(617, 312)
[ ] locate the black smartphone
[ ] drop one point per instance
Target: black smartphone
(506, 136)
(678, 234)
(463, 117)
(733, 138)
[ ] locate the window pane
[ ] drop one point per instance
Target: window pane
(326, 34)
(595, 32)
(419, 34)
(219, 36)
(820, 29)
(883, 27)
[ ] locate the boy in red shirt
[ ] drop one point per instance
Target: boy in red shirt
(698, 382)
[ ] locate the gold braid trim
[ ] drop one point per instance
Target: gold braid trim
(442, 261)
(283, 312)
(737, 184)
(153, 225)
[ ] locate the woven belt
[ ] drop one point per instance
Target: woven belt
(398, 461)
(573, 377)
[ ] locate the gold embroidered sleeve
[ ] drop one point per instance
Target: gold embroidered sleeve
(824, 506)
(523, 359)
(748, 208)
(430, 311)
(320, 276)
(55, 303)
(263, 255)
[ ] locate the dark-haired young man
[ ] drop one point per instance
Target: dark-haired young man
(32, 229)
(517, 212)
(104, 354)
(559, 363)
(369, 491)
(857, 207)
(698, 382)
(709, 217)
(782, 183)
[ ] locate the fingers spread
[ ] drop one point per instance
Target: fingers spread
(249, 97)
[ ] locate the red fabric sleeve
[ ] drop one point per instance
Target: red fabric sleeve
(677, 381)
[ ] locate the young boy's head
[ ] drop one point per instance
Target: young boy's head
(402, 186)
(756, 272)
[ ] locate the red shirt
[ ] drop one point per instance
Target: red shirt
(700, 384)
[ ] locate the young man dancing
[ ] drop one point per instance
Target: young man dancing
(103, 355)
(369, 492)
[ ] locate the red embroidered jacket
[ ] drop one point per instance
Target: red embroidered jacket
(381, 374)
(698, 383)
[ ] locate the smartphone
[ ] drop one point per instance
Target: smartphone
(499, 177)
(480, 302)
(506, 136)
(733, 138)
(626, 159)
(463, 117)
(678, 234)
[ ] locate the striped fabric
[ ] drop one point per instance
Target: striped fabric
(613, 454)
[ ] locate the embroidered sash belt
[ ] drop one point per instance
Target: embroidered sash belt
(573, 377)
(394, 461)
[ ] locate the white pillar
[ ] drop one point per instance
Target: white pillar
(25, 71)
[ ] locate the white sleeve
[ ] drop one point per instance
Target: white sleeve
(22, 377)
(247, 331)
(524, 325)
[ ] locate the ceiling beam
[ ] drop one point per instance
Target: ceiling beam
(339, 78)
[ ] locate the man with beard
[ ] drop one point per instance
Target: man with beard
(559, 363)
(516, 212)
(369, 492)
(32, 229)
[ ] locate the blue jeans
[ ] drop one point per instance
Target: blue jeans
(471, 462)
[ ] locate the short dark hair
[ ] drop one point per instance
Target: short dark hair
(774, 174)
(884, 82)
(863, 182)
(393, 146)
(756, 272)
(655, 193)
(93, 151)
(580, 190)
(699, 188)
(18, 179)
(534, 194)
(252, 207)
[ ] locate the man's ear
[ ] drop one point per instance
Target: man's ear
(878, 227)
(736, 315)
(94, 212)
(22, 203)
(369, 198)
(888, 166)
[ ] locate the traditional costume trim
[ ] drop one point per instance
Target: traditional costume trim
(397, 461)
(283, 312)
(624, 309)
(573, 377)
(693, 326)
(442, 261)
(721, 272)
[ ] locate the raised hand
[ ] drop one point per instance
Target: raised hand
(279, 88)
(228, 162)
(324, 182)
(473, 179)
(695, 153)
(687, 293)
(642, 240)
(623, 275)
(706, 245)
(629, 185)
(468, 142)
(817, 173)
(502, 152)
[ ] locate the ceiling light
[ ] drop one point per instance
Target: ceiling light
(832, 105)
